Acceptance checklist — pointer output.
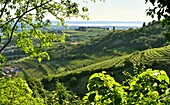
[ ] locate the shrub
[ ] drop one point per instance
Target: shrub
(145, 88)
(104, 90)
(149, 88)
(15, 91)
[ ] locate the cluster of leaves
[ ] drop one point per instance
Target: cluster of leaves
(15, 91)
(2, 59)
(161, 8)
(28, 17)
(150, 87)
(34, 41)
(104, 90)
(60, 96)
(147, 88)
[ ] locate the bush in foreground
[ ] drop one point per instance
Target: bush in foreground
(15, 91)
(147, 88)
(143, 88)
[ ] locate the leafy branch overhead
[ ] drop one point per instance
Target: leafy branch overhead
(28, 16)
(161, 8)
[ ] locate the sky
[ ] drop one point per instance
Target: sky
(116, 10)
(119, 10)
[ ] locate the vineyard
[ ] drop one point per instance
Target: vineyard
(116, 52)
(147, 57)
(78, 71)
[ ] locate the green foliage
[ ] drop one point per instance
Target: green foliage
(43, 69)
(81, 68)
(55, 93)
(147, 88)
(83, 36)
(104, 90)
(15, 91)
(37, 88)
(2, 59)
(34, 41)
(60, 96)
(80, 61)
(73, 81)
(28, 17)
(75, 57)
(161, 9)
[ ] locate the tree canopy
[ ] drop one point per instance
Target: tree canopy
(21, 20)
(15, 91)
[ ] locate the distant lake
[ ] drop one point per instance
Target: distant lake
(119, 25)
(106, 24)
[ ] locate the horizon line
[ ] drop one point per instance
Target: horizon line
(97, 21)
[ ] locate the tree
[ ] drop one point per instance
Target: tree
(15, 91)
(144, 24)
(28, 17)
(161, 8)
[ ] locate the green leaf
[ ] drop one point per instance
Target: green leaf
(163, 72)
(39, 59)
(91, 96)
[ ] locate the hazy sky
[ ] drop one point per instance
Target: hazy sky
(119, 10)
(116, 10)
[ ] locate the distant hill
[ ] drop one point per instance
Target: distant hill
(115, 43)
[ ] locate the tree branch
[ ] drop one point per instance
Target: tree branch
(13, 28)
(6, 2)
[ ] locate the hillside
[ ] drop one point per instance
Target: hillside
(115, 52)
(157, 58)
(115, 43)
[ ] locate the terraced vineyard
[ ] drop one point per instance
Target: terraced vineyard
(147, 57)
(158, 58)
(150, 55)
(117, 61)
